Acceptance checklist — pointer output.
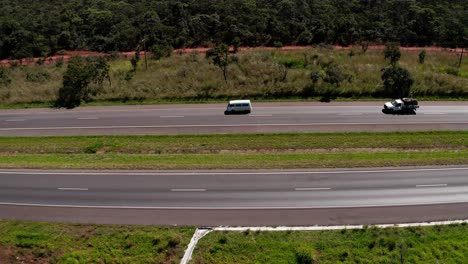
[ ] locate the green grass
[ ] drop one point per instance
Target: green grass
(237, 151)
(221, 143)
(236, 161)
(36, 242)
(192, 78)
(437, 244)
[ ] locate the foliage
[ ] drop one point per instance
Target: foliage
(221, 58)
(34, 28)
(397, 82)
(392, 52)
(82, 80)
(4, 78)
(258, 75)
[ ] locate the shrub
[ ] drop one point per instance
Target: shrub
(292, 63)
(392, 52)
(278, 44)
(422, 56)
(40, 76)
(4, 78)
(304, 256)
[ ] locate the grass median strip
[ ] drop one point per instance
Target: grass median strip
(236, 161)
(222, 143)
(237, 151)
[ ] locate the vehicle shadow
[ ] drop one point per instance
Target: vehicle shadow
(408, 112)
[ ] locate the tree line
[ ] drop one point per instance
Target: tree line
(38, 28)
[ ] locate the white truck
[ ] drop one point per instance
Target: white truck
(401, 106)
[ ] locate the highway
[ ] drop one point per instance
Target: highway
(209, 118)
(293, 197)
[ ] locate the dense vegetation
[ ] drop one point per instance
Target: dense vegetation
(37, 28)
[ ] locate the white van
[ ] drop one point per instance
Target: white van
(238, 107)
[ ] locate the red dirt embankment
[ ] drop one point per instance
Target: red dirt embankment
(68, 54)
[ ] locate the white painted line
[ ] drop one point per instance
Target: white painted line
(230, 173)
(431, 185)
(88, 118)
(188, 190)
(319, 228)
(232, 125)
(434, 113)
(72, 189)
(311, 189)
(350, 114)
(171, 116)
(15, 120)
(260, 115)
(226, 208)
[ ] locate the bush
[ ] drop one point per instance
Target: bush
(304, 256)
(422, 56)
(40, 76)
(4, 78)
(392, 52)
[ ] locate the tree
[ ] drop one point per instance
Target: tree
(397, 82)
(82, 80)
(392, 52)
(221, 58)
(236, 43)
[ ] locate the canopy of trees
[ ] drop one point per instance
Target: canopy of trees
(37, 28)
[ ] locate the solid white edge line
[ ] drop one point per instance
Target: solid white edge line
(319, 228)
(229, 173)
(15, 120)
(311, 189)
(170, 116)
(431, 185)
(188, 190)
(230, 125)
(219, 208)
(73, 189)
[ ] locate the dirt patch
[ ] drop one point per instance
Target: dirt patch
(23, 256)
(65, 56)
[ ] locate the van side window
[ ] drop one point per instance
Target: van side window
(238, 105)
(231, 105)
(245, 104)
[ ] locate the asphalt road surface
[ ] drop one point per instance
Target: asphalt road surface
(209, 118)
(296, 197)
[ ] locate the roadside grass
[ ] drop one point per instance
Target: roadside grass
(258, 75)
(238, 143)
(435, 244)
(235, 161)
(37, 242)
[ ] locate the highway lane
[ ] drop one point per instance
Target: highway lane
(266, 117)
(209, 197)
